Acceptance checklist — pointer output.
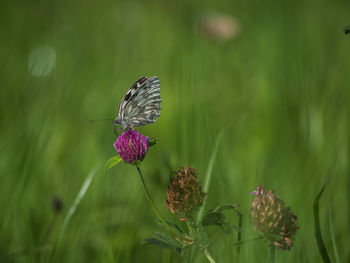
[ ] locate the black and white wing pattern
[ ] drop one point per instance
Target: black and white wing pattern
(141, 104)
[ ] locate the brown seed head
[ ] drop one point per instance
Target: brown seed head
(273, 219)
(184, 193)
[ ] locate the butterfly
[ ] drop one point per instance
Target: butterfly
(140, 105)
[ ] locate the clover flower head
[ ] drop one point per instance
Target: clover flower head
(184, 193)
(273, 219)
(132, 146)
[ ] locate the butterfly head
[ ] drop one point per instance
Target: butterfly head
(123, 123)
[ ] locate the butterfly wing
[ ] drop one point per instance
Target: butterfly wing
(131, 91)
(141, 104)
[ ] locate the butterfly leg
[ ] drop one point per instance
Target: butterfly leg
(115, 131)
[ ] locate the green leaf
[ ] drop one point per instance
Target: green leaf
(156, 242)
(213, 219)
(172, 225)
(164, 242)
(165, 237)
(152, 141)
(217, 219)
(112, 162)
(224, 207)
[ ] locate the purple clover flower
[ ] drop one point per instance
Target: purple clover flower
(132, 146)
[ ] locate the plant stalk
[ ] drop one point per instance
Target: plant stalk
(190, 226)
(272, 254)
(150, 199)
(208, 255)
(157, 211)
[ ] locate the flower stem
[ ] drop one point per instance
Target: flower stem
(150, 199)
(272, 254)
(181, 237)
(190, 226)
(209, 257)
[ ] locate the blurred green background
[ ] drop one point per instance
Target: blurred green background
(282, 80)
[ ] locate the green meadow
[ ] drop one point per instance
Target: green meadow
(277, 92)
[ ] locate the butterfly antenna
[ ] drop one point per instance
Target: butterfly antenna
(91, 121)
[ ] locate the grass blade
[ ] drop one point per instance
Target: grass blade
(112, 162)
(207, 184)
(334, 243)
(27, 252)
(318, 235)
(73, 207)
(210, 172)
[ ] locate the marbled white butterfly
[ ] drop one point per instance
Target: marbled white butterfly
(140, 105)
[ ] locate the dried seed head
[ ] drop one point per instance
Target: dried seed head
(273, 219)
(184, 193)
(132, 146)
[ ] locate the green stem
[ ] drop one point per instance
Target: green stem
(209, 257)
(272, 254)
(183, 238)
(150, 199)
(190, 225)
